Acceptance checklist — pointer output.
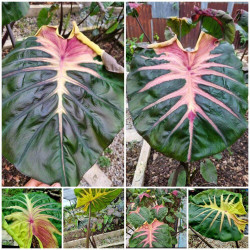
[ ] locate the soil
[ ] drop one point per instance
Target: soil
(195, 242)
(133, 153)
(232, 169)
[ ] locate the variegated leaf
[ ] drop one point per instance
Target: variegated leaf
(32, 220)
(215, 214)
(152, 235)
(99, 198)
(188, 105)
(61, 107)
(139, 216)
(159, 212)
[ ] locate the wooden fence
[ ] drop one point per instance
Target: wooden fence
(153, 25)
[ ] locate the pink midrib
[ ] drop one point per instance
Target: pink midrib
(196, 66)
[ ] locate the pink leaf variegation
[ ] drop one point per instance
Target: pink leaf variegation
(155, 234)
(188, 105)
(31, 221)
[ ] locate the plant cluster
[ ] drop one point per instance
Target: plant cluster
(32, 215)
(153, 215)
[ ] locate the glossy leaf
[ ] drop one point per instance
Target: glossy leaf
(208, 171)
(157, 235)
(138, 217)
(30, 221)
(180, 26)
(188, 105)
(13, 11)
(99, 198)
(215, 214)
(181, 179)
(216, 23)
(61, 106)
(159, 212)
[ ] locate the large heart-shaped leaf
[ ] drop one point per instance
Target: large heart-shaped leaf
(61, 107)
(213, 213)
(32, 220)
(99, 198)
(188, 105)
(157, 235)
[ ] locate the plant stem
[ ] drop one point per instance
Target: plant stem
(136, 18)
(61, 19)
(200, 237)
(245, 50)
(176, 173)
(6, 34)
(88, 229)
(12, 38)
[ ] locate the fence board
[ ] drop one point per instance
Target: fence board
(159, 25)
(218, 6)
(145, 16)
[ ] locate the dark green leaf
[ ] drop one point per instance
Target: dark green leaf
(208, 171)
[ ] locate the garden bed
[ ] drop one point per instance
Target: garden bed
(105, 240)
(195, 242)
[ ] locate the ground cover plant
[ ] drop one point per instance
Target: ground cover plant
(91, 202)
(218, 214)
(63, 105)
(190, 104)
(32, 219)
(153, 215)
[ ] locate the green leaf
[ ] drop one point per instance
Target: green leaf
(112, 28)
(208, 171)
(141, 37)
(217, 156)
(181, 179)
(138, 217)
(159, 212)
(13, 11)
(63, 105)
(44, 17)
(105, 219)
(167, 200)
(188, 105)
(242, 19)
(215, 214)
(180, 26)
(170, 219)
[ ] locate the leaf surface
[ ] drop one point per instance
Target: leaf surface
(31, 221)
(159, 212)
(188, 105)
(215, 214)
(99, 198)
(139, 216)
(61, 106)
(12, 11)
(157, 235)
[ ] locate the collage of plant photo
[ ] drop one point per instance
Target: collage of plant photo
(124, 124)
